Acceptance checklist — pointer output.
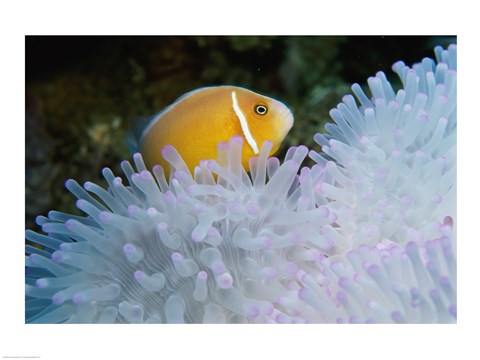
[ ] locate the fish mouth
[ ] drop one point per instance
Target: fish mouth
(284, 121)
(285, 124)
(288, 116)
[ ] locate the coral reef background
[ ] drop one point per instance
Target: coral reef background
(81, 92)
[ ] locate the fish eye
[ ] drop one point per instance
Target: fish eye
(261, 109)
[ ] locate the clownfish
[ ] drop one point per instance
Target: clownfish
(200, 119)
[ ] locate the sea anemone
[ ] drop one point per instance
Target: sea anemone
(365, 235)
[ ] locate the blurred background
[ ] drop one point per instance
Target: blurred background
(81, 92)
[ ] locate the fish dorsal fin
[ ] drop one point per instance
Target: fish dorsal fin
(139, 126)
(149, 121)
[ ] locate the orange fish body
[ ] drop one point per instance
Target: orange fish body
(202, 118)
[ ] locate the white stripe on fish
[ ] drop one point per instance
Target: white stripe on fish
(243, 123)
